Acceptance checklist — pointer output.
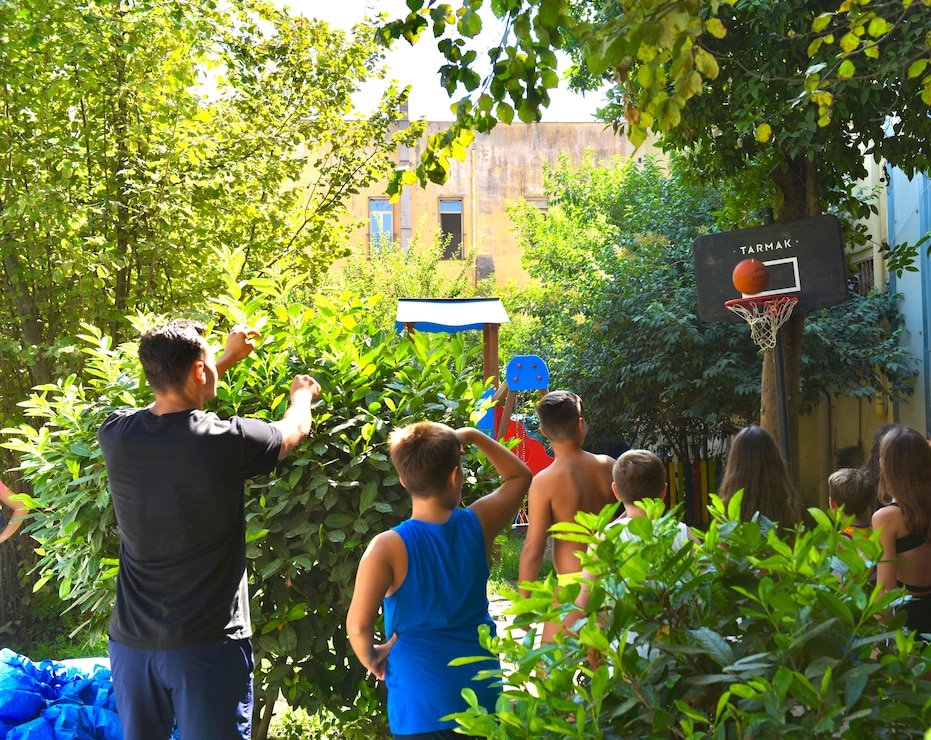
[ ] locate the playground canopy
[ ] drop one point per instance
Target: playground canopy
(449, 315)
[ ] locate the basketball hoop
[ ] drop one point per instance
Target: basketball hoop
(765, 314)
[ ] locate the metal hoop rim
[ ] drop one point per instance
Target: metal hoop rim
(763, 301)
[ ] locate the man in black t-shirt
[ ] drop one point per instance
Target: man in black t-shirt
(180, 647)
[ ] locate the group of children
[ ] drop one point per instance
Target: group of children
(428, 575)
(890, 494)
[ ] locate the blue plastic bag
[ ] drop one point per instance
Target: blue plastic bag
(54, 701)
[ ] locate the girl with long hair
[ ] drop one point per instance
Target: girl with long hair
(905, 522)
(756, 465)
(870, 469)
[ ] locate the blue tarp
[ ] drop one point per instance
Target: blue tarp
(53, 700)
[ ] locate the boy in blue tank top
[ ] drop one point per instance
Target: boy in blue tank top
(429, 574)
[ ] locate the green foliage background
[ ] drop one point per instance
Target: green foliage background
(742, 634)
(138, 136)
(309, 522)
(612, 307)
(417, 271)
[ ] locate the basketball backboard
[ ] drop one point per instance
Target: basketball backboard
(805, 259)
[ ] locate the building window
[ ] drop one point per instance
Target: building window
(542, 204)
(864, 278)
(451, 228)
(381, 222)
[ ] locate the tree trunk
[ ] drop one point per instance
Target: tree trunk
(120, 195)
(262, 710)
(798, 184)
(26, 316)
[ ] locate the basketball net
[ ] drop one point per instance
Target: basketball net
(765, 315)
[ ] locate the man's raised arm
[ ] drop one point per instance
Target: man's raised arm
(295, 424)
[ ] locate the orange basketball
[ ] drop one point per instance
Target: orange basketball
(751, 276)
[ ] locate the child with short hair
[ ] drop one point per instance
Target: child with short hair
(429, 574)
(848, 487)
(638, 475)
(577, 480)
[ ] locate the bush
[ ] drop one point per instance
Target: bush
(505, 565)
(744, 635)
(308, 523)
(45, 635)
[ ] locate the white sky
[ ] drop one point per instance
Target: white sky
(418, 65)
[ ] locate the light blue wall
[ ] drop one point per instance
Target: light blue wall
(909, 209)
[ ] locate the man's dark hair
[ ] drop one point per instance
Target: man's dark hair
(559, 413)
(168, 351)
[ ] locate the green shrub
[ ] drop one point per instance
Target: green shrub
(505, 565)
(308, 523)
(744, 635)
(45, 634)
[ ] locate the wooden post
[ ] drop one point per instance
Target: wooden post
(506, 415)
(490, 353)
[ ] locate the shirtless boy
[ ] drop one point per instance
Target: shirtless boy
(576, 481)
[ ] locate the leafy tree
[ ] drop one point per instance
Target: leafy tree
(524, 65)
(856, 350)
(735, 84)
(391, 273)
(612, 300)
(135, 136)
(864, 32)
(743, 634)
(612, 307)
(307, 524)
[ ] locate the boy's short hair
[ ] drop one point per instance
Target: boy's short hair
(848, 487)
(639, 474)
(424, 454)
(559, 413)
(168, 351)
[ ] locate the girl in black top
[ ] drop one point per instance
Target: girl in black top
(905, 522)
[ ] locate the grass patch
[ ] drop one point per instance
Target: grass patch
(46, 633)
(506, 564)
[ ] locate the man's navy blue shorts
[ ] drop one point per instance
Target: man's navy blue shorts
(207, 690)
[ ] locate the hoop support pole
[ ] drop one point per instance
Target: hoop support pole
(782, 403)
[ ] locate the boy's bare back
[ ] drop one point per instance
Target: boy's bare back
(574, 482)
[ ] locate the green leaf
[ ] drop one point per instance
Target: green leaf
(878, 26)
(917, 68)
(849, 42)
(714, 644)
(821, 22)
(715, 28)
(255, 534)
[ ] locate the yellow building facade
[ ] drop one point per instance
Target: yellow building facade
(471, 207)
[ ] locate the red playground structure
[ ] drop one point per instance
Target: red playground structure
(524, 373)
